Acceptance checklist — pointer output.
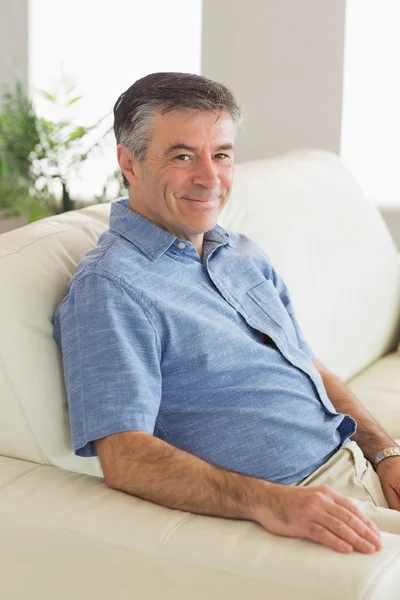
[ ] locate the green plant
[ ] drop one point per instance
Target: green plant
(38, 155)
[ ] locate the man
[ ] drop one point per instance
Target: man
(185, 368)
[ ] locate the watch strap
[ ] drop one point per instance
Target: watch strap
(386, 453)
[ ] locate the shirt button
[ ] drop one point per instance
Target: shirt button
(181, 245)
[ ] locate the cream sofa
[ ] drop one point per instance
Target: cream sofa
(64, 534)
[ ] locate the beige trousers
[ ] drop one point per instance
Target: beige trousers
(350, 474)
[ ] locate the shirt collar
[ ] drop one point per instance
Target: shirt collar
(151, 239)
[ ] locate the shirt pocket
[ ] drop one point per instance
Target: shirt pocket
(268, 304)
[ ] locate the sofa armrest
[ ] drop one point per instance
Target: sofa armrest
(95, 538)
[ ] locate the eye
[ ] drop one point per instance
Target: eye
(182, 157)
(223, 156)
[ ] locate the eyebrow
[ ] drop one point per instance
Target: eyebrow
(192, 149)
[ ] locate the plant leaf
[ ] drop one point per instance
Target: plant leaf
(47, 95)
(74, 100)
(78, 133)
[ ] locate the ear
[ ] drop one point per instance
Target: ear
(126, 163)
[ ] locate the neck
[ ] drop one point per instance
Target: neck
(196, 240)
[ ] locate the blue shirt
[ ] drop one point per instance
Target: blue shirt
(205, 354)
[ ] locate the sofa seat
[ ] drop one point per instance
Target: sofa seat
(52, 520)
(12, 469)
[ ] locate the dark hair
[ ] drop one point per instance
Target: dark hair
(164, 93)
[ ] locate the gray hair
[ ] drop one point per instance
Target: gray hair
(162, 93)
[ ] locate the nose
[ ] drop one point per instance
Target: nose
(206, 174)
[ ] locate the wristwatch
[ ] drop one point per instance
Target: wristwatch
(386, 453)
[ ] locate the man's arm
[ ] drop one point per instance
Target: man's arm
(369, 435)
(145, 466)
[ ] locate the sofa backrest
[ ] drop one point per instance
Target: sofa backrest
(331, 246)
(304, 209)
(36, 263)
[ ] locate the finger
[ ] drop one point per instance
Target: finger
(319, 534)
(358, 523)
(356, 534)
(348, 504)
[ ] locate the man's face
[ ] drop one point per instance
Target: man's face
(186, 178)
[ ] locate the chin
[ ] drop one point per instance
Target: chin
(200, 229)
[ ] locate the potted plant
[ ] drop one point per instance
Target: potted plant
(39, 155)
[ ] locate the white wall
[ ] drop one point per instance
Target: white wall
(13, 42)
(284, 61)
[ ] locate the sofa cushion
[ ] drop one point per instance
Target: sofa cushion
(36, 263)
(66, 535)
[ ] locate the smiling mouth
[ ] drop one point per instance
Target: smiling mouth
(200, 200)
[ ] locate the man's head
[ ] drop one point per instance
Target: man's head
(175, 134)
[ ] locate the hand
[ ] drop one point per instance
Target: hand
(388, 471)
(319, 514)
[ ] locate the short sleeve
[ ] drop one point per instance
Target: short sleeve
(111, 356)
(286, 301)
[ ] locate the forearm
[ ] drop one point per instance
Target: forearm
(154, 470)
(147, 467)
(370, 436)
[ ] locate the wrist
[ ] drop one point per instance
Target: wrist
(372, 445)
(383, 455)
(267, 497)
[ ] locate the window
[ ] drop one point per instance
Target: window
(105, 47)
(370, 144)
